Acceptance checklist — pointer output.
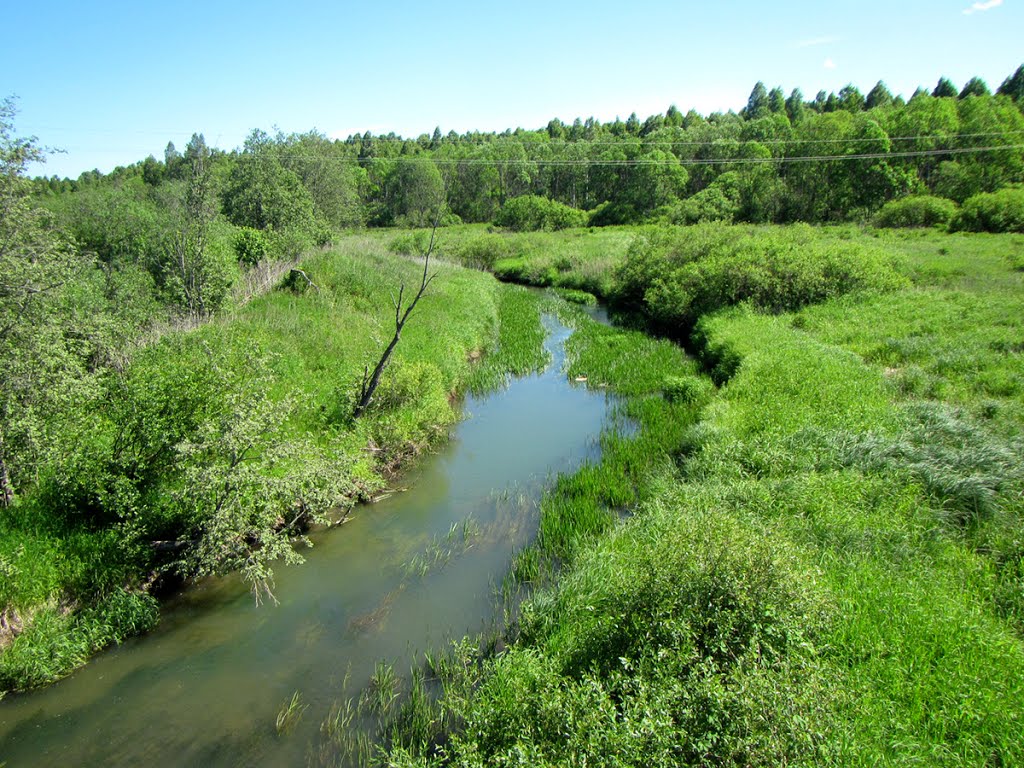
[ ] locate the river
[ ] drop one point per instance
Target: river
(407, 574)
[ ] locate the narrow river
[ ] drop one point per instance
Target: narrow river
(205, 688)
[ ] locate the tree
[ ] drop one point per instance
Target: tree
(944, 89)
(757, 103)
(879, 96)
(413, 189)
(776, 101)
(197, 277)
(975, 87)
(795, 105)
(36, 263)
(850, 98)
(371, 380)
(334, 183)
(262, 194)
(1013, 86)
(173, 162)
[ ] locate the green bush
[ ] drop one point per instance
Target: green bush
(916, 211)
(677, 275)
(1001, 211)
(251, 245)
(718, 202)
(530, 213)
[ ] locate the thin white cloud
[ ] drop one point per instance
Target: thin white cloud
(988, 5)
(818, 41)
(829, 64)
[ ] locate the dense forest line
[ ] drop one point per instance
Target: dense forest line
(837, 157)
(127, 452)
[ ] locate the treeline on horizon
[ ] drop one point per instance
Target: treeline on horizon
(838, 157)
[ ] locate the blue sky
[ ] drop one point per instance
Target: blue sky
(112, 82)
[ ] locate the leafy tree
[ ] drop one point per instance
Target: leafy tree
(757, 104)
(335, 183)
(173, 162)
(197, 273)
(851, 99)
(879, 96)
(556, 129)
(1013, 86)
(416, 189)
(39, 361)
(975, 87)
(795, 106)
(261, 193)
(152, 171)
(776, 101)
(944, 89)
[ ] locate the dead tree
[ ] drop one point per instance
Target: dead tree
(371, 380)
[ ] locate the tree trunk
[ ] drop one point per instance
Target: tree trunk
(370, 383)
(6, 489)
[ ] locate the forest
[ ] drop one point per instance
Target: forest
(186, 339)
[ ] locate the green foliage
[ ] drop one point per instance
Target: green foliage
(1001, 211)
(250, 245)
(261, 193)
(675, 641)
(530, 213)
(56, 640)
(688, 390)
(676, 276)
(916, 211)
(719, 202)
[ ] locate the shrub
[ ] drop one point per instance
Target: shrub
(719, 202)
(530, 213)
(916, 211)
(675, 275)
(1001, 211)
(250, 245)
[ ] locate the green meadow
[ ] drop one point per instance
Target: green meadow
(806, 550)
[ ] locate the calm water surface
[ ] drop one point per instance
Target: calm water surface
(204, 689)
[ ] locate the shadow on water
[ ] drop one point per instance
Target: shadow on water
(409, 573)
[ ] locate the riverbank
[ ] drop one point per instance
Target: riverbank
(823, 567)
(259, 403)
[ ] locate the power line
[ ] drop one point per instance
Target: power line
(640, 161)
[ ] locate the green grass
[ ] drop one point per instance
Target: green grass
(821, 561)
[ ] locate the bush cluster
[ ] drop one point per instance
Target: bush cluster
(677, 275)
(916, 211)
(530, 213)
(1001, 211)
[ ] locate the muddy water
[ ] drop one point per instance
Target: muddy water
(404, 575)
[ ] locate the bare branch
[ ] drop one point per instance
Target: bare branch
(368, 387)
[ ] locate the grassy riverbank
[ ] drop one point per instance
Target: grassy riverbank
(212, 443)
(819, 560)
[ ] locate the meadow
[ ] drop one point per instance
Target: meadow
(808, 550)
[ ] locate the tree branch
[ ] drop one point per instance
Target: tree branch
(369, 387)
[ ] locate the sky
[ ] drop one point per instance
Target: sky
(108, 83)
